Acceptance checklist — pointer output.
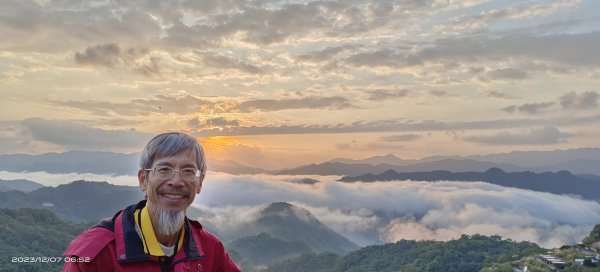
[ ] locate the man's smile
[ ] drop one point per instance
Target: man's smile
(172, 196)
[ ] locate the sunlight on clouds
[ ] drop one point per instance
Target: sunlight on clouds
(217, 145)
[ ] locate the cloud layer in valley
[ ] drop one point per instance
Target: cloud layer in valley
(380, 212)
(390, 211)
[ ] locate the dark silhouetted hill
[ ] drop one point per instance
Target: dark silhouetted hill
(562, 182)
(79, 201)
(291, 223)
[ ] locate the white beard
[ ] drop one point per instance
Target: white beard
(169, 222)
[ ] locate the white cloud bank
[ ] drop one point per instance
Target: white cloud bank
(378, 212)
(390, 211)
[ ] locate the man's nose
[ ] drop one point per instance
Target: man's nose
(176, 180)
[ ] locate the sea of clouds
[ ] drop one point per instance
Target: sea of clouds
(379, 212)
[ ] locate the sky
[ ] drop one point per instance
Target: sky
(276, 84)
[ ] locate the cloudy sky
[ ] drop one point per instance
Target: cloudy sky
(280, 83)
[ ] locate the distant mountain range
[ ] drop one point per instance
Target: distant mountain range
(234, 168)
(562, 182)
(107, 163)
(19, 185)
(546, 160)
(359, 168)
(578, 161)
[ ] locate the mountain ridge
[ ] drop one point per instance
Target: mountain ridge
(579, 160)
(22, 185)
(561, 182)
(288, 222)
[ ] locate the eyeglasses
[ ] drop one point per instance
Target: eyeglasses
(165, 172)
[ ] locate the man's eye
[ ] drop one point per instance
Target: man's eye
(163, 169)
(189, 171)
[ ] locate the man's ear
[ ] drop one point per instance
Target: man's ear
(142, 179)
(199, 188)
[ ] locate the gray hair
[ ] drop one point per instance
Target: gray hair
(169, 144)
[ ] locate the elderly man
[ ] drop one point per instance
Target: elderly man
(155, 234)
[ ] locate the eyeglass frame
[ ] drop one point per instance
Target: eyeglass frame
(197, 175)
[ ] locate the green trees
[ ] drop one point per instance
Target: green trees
(498, 267)
(264, 249)
(27, 233)
(468, 253)
(593, 237)
(324, 262)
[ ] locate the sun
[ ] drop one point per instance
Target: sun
(216, 145)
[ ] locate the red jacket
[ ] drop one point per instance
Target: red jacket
(114, 245)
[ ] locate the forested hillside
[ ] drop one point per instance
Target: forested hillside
(78, 201)
(33, 232)
(469, 253)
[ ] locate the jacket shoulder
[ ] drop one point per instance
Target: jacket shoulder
(90, 242)
(197, 227)
(213, 246)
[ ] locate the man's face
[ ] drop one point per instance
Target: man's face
(174, 194)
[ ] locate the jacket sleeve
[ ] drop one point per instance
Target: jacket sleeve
(219, 260)
(73, 267)
(227, 263)
(230, 266)
(90, 251)
(102, 262)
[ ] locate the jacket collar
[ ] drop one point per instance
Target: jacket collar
(129, 245)
(145, 229)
